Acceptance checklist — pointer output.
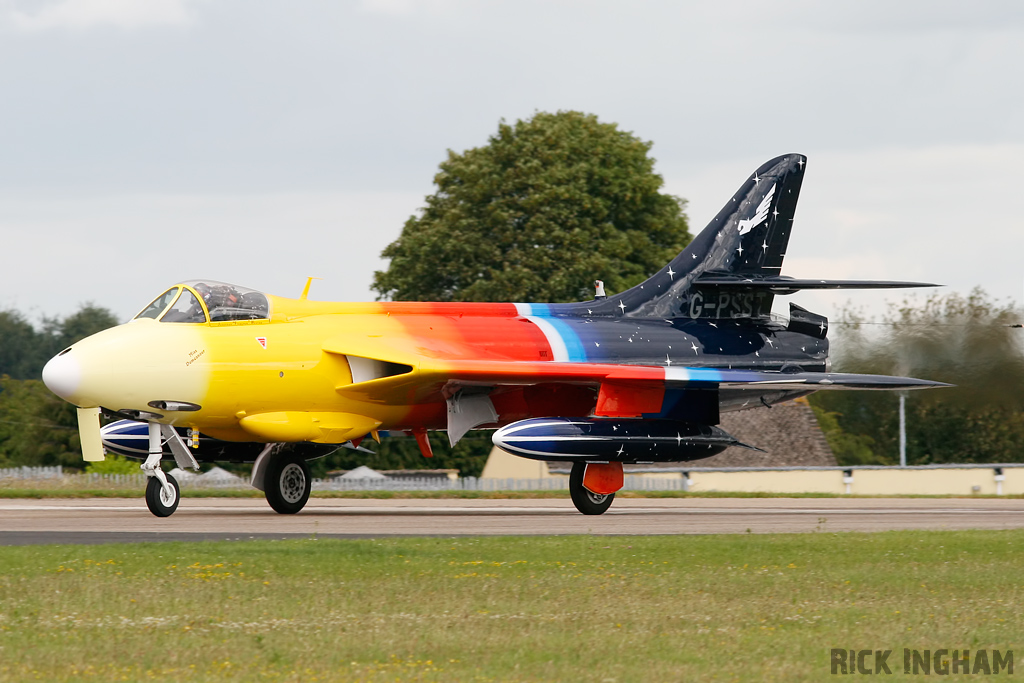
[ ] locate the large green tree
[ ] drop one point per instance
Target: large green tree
(967, 341)
(24, 350)
(19, 342)
(546, 207)
(36, 427)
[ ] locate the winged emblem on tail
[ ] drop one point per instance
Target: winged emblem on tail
(748, 224)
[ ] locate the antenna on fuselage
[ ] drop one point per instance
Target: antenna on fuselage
(309, 281)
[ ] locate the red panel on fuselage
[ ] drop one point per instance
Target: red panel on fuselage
(483, 331)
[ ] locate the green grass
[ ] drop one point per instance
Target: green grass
(750, 607)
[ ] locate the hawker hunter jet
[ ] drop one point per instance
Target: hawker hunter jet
(210, 371)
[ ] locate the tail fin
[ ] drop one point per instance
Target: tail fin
(732, 269)
(748, 238)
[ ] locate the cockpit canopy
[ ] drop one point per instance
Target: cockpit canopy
(200, 301)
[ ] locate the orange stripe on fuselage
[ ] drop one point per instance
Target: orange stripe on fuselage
(482, 330)
(476, 331)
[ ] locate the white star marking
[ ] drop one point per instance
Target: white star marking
(694, 347)
(679, 439)
(765, 245)
(622, 306)
(620, 451)
(822, 327)
(668, 361)
(671, 273)
(775, 213)
(694, 256)
(740, 249)
(756, 179)
(597, 345)
(800, 163)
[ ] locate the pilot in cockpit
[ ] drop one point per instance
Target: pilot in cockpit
(218, 296)
(227, 302)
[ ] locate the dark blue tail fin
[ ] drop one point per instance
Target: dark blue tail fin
(732, 269)
(748, 238)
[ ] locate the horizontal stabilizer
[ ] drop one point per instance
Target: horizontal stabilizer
(754, 379)
(779, 284)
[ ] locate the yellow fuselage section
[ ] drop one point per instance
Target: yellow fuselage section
(284, 378)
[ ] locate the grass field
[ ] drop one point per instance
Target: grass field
(668, 608)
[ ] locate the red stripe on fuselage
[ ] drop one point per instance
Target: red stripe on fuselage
(477, 331)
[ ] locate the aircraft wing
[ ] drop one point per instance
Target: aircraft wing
(424, 375)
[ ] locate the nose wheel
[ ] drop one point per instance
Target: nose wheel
(162, 491)
(162, 499)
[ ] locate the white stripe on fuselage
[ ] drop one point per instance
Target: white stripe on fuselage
(559, 351)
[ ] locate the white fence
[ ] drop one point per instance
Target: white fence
(34, 473)
(138, 481)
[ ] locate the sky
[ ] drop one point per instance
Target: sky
(259, 143)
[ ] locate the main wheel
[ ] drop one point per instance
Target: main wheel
(159, 502)
(287, 483)
(587, 502)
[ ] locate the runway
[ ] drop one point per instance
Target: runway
(83, 521)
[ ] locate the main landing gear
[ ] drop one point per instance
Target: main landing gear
(287, 483)
(282, 474)
(592, 486)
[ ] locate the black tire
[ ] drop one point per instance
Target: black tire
(287, 483)
(586, 502)
(157, 503)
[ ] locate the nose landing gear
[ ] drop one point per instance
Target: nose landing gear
(162, 491)
(162, 498)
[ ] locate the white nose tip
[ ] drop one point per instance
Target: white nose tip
(62, 375)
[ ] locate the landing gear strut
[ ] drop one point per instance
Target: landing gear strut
(585, 500)
(287, 483)
(162, 491)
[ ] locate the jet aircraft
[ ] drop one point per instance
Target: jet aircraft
(210, 371)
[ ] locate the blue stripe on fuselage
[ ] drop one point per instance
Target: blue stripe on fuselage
(573, 345)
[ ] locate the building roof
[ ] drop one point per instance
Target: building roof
(788, 432)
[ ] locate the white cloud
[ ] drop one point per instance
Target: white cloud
(120, 251)
(404, 7)
(87, 14)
